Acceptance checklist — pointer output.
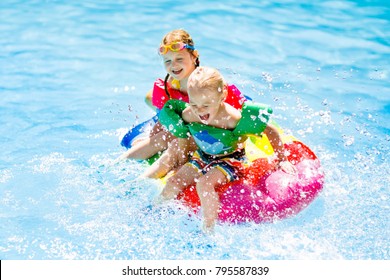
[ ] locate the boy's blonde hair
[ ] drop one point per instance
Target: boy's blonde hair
(206, 78)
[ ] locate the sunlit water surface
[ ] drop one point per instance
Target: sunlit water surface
(73, 76)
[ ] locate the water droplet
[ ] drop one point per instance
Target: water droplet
(348, 140)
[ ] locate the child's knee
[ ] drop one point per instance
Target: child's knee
(172, 188)
(173, 181)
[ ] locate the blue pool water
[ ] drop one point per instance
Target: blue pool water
(73, 76)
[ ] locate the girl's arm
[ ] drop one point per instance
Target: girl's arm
(277, 144)
(148, 99)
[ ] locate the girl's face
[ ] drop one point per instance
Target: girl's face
(205, 104)
(179, 64)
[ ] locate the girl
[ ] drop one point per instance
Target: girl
(180, 59)
(219, 131)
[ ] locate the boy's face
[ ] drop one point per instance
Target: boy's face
(179, 64)
(205, 103)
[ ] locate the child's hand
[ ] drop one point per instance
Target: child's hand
(287, 167)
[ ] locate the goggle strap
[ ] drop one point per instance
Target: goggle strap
(189, 47)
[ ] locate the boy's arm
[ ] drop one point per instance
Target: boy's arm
(277, 144)
(171, 118)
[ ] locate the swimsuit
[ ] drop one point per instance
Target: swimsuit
(232, 165)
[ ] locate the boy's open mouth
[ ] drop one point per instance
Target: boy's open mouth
(204, 118)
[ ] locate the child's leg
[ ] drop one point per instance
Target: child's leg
(160, 167)
(209, 198)
(186, 176)
(186, 147)
(167, 162)
(148, 147)
(175, 156)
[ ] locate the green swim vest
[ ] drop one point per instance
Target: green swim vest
(214, 140)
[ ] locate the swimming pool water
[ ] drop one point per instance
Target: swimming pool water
(73, 76)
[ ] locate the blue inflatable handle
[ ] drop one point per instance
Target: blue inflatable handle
(248, 98)
(127, 140)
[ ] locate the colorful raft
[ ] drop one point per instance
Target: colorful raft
(263, 194)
